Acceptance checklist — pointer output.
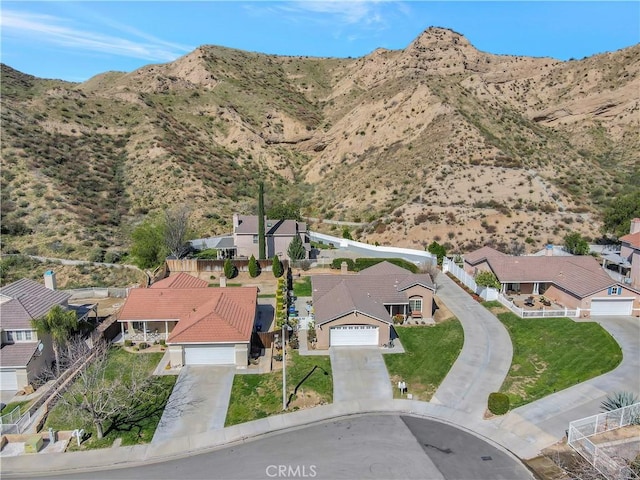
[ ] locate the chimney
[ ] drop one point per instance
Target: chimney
(548, 252)
(50, 279)
(236, 221)
(635, 225)
(223, 281)
(343, 268)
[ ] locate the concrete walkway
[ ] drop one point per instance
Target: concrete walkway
(198, 403)
(359, 372)
(485, 358)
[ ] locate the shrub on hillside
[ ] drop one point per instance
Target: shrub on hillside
(498, 403)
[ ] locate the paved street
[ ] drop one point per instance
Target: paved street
(198, 403)
(359, 373)
(485, 357)
(361, 447)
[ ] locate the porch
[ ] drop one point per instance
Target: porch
(146, 331)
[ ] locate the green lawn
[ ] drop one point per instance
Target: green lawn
(302, 287)
(259, 396)
(551, 354)
(429, 355)
(24, 406)
(138, 428)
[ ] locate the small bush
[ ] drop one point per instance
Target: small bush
(498, 403)
(144, 345)
(163, 342)
(128, 343)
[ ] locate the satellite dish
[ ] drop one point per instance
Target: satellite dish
(40, 347)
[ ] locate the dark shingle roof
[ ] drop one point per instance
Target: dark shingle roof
(368, 292)
(17, 354)
(29, 300)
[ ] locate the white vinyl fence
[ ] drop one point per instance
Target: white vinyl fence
(524, 313)
(487, 293)
(580, 431)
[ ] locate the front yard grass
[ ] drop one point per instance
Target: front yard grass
(302, 287)
(429, 355)
(259, 396)
(551, 354)
(137, 429)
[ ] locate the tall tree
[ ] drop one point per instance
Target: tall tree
(284, 211)
(60, 324)
(262, 254)
(148, 247)
(296, 249)
(438, 250)
(177, 231)
(254, 268)
(575, 244)
(617, 218)
(276, 267)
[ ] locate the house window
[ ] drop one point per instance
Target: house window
(615, 291)
(255, 239)
(19, 336)
(415, 304)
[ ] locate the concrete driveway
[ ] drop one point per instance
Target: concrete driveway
(359, 373)
(198, 403)
(485, 358)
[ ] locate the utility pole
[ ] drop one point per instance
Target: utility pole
(284, 368)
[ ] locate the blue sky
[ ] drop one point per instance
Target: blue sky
(75, 40)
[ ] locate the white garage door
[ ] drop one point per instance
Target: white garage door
(8, 380)
(353, 335)
(210, 355)
(612, 306)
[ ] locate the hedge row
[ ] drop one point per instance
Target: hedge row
(362, 263)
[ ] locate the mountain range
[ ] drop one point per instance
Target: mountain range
(437, 141)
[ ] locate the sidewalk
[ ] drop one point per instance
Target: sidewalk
(485, 358)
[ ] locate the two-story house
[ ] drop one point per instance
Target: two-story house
(278, 236)
(24, 355)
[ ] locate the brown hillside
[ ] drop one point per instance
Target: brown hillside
(436, 141)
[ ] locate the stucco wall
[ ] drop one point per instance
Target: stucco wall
(323, 331)
(242, 354)
(427, 299)
(245, 246)
(175, 356)
(570, 301)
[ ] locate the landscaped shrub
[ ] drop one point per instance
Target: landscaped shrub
(498, 403)
(276, 267)
(143, 345)
(253, 267)
(128, 343)
(337, 262)
(163, 342)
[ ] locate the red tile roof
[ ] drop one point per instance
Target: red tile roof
(633, 239)
(181, 280)
(204, 315)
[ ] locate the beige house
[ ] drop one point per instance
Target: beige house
(201, 325)
(24, 355)
(278, 236)
(630, 250)
(572, 281)
(358, 309)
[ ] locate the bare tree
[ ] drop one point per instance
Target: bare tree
(102, 396)
(177, 231)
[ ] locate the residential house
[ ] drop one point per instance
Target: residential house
(201, 325)
(630, 251)
(358, 309)
(24, 354)
(573, 281)
(278, 236)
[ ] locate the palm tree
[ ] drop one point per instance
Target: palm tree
(60, 324)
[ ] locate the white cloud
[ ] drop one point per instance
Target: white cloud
(58, 31)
